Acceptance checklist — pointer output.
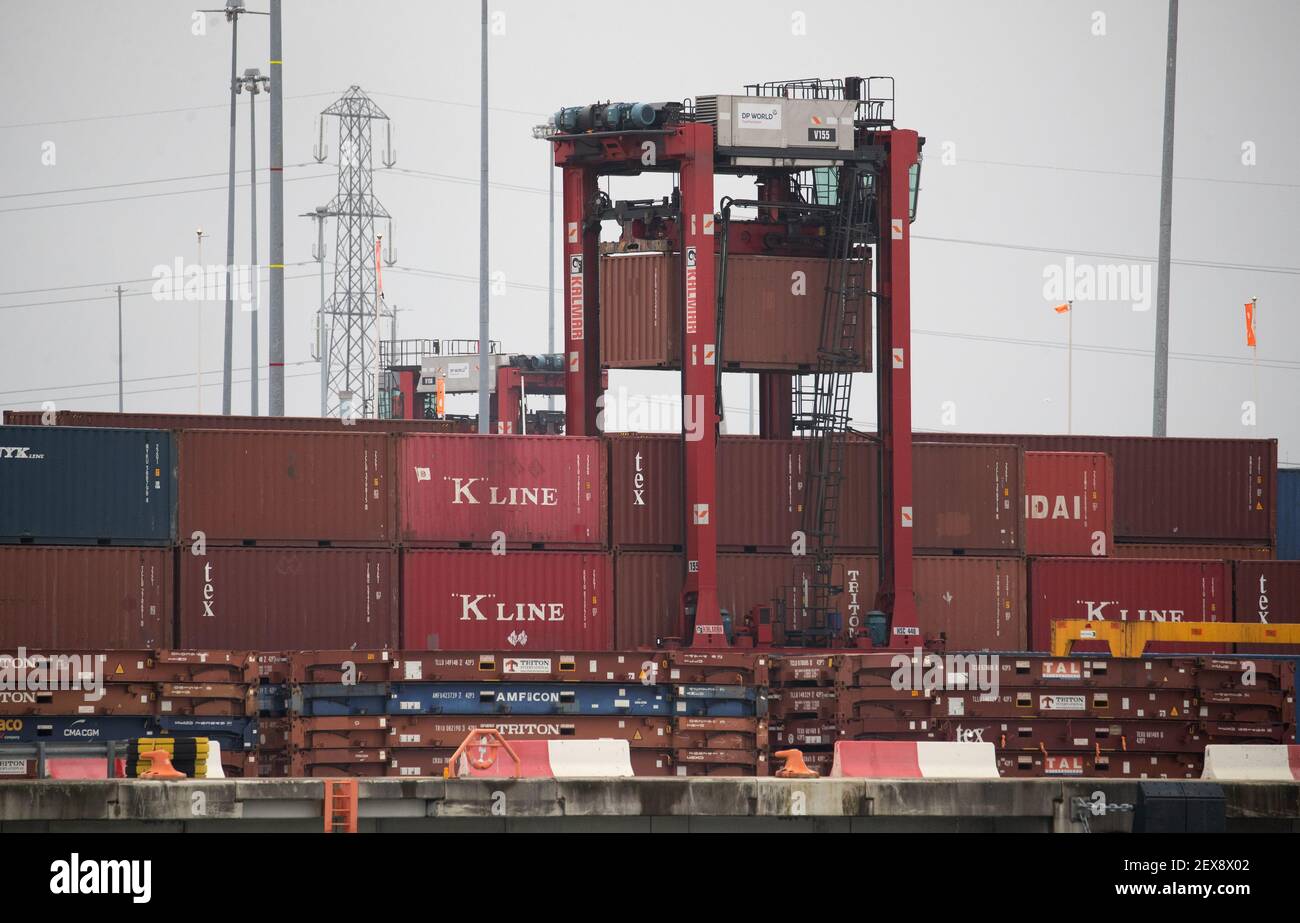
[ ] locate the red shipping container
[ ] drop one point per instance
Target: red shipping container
(175, 421)
(976, 603)
(1193, 490)
(288, 599)
(286, 487)
(68, 598)
(771, 320)
(967, 498)
(1127, 590)
(762, 487)
(1069, 503)
(535, 489)
(1190, 552)
(1267, 592)
(525, 600)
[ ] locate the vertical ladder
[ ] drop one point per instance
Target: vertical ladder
(822, 399)
(340, 805)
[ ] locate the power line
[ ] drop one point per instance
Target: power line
(138, 182)
(184, 387)
(132, 115)
(1060, 169)
(95, 384)
(41, 304)
(147, 195)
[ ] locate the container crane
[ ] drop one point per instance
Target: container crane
(836, 178)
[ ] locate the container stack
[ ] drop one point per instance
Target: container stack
(719, 723)
(96, 696)
(1148, 718)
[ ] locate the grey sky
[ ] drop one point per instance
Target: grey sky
(1056, 135)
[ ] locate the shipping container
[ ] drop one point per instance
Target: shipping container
(1173, 489)
(174, 421)
(977, 603)
(1267, 592)
(1127, 590)
(771, 317)
(287, 599)
(520, 601)
(1069, 503)
(86, 486)
(967, 498)
(286, 487)
(70, 598)
(1186, 551)
(1288, 514)
(534, 490)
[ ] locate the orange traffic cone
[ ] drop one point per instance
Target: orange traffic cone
(160, 766)
(795, 767)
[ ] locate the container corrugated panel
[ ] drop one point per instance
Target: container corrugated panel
(172, 421)
(968, 498)
(288, 599)
(525, 600)
(771, 318)
(1189, 552)
(1069, 503)
(762, 487)
(1288, 514)
(976, 603)
(286, 487)
(641, 313)
(1267, 592)
(533, 489)
(1173, 489)
(87, 486)
(1110, 589)
(71, 598)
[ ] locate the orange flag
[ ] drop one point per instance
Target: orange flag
(1250, 323)
(1061, 308)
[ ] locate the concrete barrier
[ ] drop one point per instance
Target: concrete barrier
(1252, 763)
(904, 759)
(550, 759)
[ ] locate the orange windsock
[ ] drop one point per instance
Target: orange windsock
(1250, 323)
(1061, 308)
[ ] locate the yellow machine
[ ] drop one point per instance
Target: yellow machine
(1129, 639)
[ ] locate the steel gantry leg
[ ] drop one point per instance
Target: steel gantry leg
(582, 310)
(699, 386)
(894, 395)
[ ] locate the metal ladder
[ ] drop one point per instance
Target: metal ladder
(821, 400)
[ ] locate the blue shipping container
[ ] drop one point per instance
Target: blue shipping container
(68, 485)
(30, 729)
(1288, 514)
(328, 699)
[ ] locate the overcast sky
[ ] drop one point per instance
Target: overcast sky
(1049, 113)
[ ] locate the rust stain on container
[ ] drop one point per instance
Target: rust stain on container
(1170, 489)
(772, 317)
(287, 599)
(521, 601)
(219, 421)
(296, 487)
(1127, 590)
(1267, 592)
(1069, 503)
(68, 598)
(533, 489)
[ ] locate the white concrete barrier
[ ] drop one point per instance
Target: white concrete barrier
(1252, 762)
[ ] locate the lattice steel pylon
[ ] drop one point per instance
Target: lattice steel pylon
(351, 308)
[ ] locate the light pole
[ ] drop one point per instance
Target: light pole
(484, 399)
(198, 325)
(1068, 310)
(233, 10)
(119, 348)
(322, 332)
(254, 83)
